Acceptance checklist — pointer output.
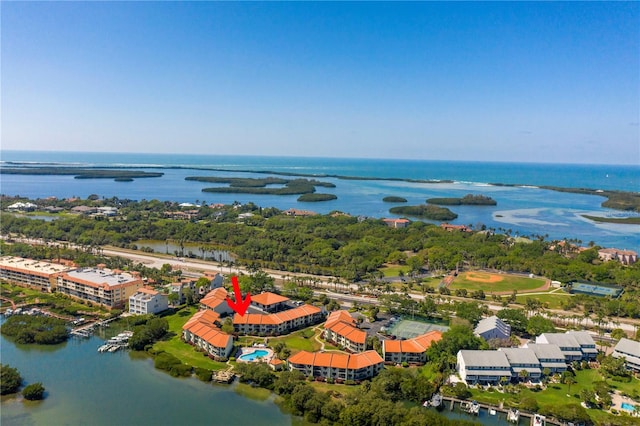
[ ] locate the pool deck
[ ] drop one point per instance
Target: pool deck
(617, 400)
(252, 349)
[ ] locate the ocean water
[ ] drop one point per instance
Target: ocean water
(524, 209)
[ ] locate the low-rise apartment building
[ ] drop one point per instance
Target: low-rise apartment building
(340, 367)
(216, 300)
(524, 363)
(202, 331)
(278, 323)
(630, 351)
(148, 301)
(550, 357)
(492, 328)
(31, 273)
(483, 367)
(412, 351)
(109, 288)
(340, 329)
(575, 345)
(269, 302)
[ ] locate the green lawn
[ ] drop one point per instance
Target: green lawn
(58, 302)
(297, 340)
(394, 271)
(183, 351)
(257, 394)
(555, 394)
(553, 300)
(476, 280)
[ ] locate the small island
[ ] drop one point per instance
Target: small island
(620, 220)
(467, 200)
(259, 186)
(425, 211)
(317, 197)
(78, 173)
(394, 199)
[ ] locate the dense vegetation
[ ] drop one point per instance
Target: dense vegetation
(626, 220)
(80, 173)
(258, 186)
(33, 392)
(35, 329)
(425, 211)
(10, 379)
(317, 197)
(152, 330)
(388, 399)
(467, 200)
(339, 246)
(394, 199)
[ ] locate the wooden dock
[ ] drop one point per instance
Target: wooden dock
(500, 409)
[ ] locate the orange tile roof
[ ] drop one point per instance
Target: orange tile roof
(338, 316)
(349, 332)
(275, 361)
(415, 345)
(333, 360)
(202, 325)
(214, 298)
(278, 318)
(268, 298)
(147, 290)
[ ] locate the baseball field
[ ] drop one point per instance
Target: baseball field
(490, 282)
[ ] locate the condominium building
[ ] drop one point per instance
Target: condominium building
(492, 328)
(483, 367)
(550, 357)
(110, 288)
(269, 302)
(202, 331)
(340, 367)
(148, 301)
(412, 350)
(575, 345)
(340, 329)
(32, 273)
(523, 360)
(216, 300)
(278, 323)
(630, 351)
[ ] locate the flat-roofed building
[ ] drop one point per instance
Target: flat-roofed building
(483, 367)
(31, 273)
(110, 288)
(269, 302)
(523, 359)
(202, 331)
(412, 350)
(630, 351)
(340, 367)
(277, 323)
(148, 301)
(550, 356)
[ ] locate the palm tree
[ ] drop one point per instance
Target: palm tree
(523, 374)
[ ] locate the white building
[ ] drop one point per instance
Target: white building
(493, 328)
(148, 301)
(523, 359)
(575, 345)
(484, 367)
(630, 351)
(550, 356)
(32, 273)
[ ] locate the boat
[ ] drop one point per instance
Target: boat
(474, 408)
(436, 400)
(538, 420)
(513, 415)
(465, 406)
(104, 348)
(492, 411)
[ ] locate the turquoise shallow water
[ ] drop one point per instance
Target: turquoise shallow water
(527, 210)
(253, 355)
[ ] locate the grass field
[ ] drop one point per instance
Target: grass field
(184, 352)
(550, 300)
(495, 283)
(394, 271)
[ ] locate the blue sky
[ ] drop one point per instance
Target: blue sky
(508, 81)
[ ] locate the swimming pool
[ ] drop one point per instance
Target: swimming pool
(258, 353)
(627, 406)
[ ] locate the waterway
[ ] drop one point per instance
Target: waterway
(87, 387)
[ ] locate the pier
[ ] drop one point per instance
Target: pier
(461, 403)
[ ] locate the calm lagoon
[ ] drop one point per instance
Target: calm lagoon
(87, 387)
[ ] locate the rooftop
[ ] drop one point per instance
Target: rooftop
(278, 318)
(415, 345)
(490, 323)
(100, 277)
(36, 267)
(478, 358)
(268, 298)
(336, 360)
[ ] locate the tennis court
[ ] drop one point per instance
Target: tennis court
(408, 329)
(594, 289)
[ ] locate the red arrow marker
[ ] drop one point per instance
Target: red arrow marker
(240, 306)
